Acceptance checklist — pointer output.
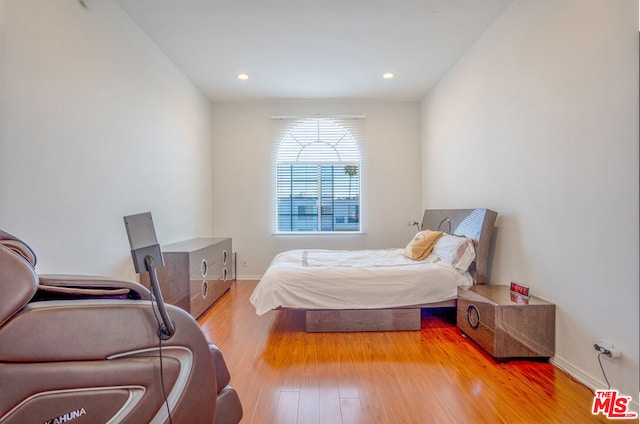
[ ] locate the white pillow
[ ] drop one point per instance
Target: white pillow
(455, 250)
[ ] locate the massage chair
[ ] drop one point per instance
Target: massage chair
(87, 350)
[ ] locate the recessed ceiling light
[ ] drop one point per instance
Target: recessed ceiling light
(243, 76)
(388, 75)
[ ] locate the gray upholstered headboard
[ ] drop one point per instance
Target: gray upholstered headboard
(476, 224)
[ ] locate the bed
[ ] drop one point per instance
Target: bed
(381, 289)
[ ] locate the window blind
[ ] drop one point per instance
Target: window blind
(318, 171)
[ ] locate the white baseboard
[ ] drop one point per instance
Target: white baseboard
(248, 277)
(586, 379)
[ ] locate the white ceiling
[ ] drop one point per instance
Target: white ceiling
(314, 49)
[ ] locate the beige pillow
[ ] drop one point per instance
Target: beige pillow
(422, 244)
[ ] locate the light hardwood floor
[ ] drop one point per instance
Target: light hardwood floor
(435, 375)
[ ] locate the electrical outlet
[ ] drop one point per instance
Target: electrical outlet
(607, 349)
(245, 263)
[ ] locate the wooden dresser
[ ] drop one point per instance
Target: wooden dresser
(196, 273)
(503, 327)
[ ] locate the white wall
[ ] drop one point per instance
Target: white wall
(244, 141)
(96, 124)
(539, 121)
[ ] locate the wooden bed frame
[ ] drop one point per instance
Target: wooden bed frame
(408, 318)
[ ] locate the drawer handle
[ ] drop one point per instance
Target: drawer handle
(204, 267)
(473, 316)
(224, 274)
(224, 257)
(205, 289)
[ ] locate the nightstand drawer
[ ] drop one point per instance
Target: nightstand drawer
(474, 306)
(480, 332)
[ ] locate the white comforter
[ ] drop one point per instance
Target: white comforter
(354, 279)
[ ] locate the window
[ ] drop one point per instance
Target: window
(318, 178)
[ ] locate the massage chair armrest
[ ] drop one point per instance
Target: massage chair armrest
(85, 330)
(59, 286)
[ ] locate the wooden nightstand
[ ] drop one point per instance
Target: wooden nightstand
(504, 328)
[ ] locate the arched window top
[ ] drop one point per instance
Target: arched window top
(318, 140)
